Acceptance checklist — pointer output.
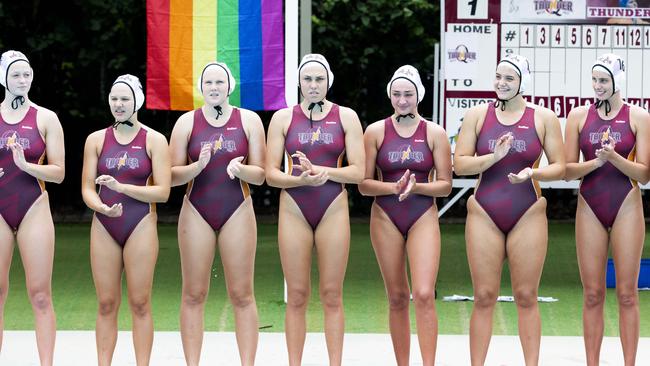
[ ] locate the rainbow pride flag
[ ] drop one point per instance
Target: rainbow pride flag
(184, 35)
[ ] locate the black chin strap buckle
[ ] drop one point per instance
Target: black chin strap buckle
(19, 99)
(311, 110)
(408, 115)
(500, 103)
(219, 111)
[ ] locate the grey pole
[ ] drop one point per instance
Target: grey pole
(305, 27)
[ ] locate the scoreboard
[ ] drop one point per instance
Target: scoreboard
(561, 40)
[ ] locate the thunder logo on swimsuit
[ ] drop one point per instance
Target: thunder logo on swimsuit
(517, 145)
(597, 137)
(122, 160)
(220, 144)
(12, 137)
(315, 137)
(405, 153)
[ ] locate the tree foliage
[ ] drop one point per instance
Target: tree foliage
(366, 41)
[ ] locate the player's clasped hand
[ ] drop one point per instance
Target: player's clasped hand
(502, 146)
(110, 183)
(305, 163)
(18, 155)
(315, 180)
(310, 175)
(111, 211)
(404, 186)
(234, 167)
(607, 152)
(205, 155)
(522, 176)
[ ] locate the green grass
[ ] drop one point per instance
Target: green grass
(364, 298)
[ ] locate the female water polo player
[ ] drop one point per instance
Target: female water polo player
(408, 164)
(506, 217)
(312, 138)
(613, 138)
(225, 146)
(28, 135)
(130, 163)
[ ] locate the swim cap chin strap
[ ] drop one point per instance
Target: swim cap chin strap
(608, 106)
(19, 99)
(117, 123)
(311, 110)
(219, 111)
(502, 102)
(408, 115)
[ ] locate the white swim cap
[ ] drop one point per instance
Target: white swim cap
(318, 58)
(614, 66)
(411, 74)
(231, 79)
(134, 84)
(9, 58)
(521, 66)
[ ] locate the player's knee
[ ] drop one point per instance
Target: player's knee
(41, 300)
(108, 307)
(627, 298)
(525, 298)
(424, 297)
(594, 297)
(331, 297)
(140, 307)
(194, 298)
(241, 298)
(399, 300)
(485, 298)
(297, 298)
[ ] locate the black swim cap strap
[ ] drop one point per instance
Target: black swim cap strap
(311, 110)
(19, 99)
(608, 106)
(219, 110)
(501, 103)
(127, 122)
(408, 115)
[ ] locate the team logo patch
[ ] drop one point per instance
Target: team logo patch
(220, 144)
(122, 160)
(604, 133)
(315, 137)
(461, 54)
(554, 7)
(405, 154)
(517, 146)
(12, 137)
